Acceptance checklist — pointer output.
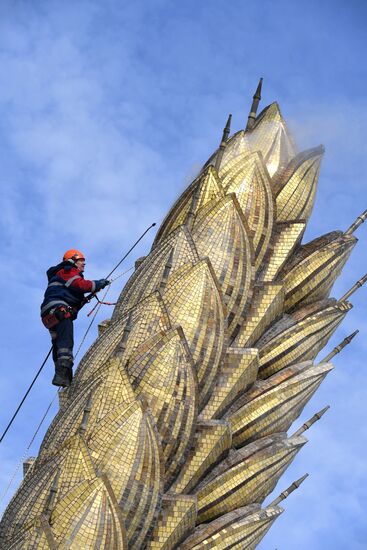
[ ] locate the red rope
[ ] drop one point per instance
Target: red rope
(100, 302)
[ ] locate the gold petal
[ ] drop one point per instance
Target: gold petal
(175, 251)
(164, 376)
(285, 238)
(203, 189)
(238, 372)
(193, 300)
(212, 441)
(238, 530)
(299, 337)
(220, 234)
(246, 476)
(250, 181)
(315, 268)
(273, 404)
(124, 445)
(176, 520)
(294, 202)
(88, 517)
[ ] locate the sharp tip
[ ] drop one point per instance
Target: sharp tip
(228, 123)
(258, 89)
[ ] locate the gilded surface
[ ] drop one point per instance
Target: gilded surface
(174, 429)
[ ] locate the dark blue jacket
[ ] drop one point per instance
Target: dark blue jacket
(66, 286)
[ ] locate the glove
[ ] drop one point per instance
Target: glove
(102, 283)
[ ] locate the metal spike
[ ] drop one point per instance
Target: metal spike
(255, 103)
(87, 409)
(362, 218)
(339, 347)
(309, 423)
(288, 491)
(355, 287)
(52, 495)
(227, 129)
(223, 143)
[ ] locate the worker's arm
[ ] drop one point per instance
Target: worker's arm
(77, 281)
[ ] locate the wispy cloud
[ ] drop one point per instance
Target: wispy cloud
(106, 113)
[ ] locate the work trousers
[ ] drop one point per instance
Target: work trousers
(62, 337)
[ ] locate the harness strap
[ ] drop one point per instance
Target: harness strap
(51, 304)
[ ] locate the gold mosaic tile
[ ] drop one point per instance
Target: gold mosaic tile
(267, 305)
(296, 198)
(239, 530)
(273, 404)
(246, 476)
(299, 337)
(237, 373)
(285, 238)
(87, 518)
(315, 269)
(170, 255)
(176, 520)
(31, 538)
(250, 182)
(193, 300)
(176, 414)
(220, 234)
(270, 136)
(165, 377)
(204, 188)
(211, 443)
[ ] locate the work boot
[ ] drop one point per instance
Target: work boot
(63, 374)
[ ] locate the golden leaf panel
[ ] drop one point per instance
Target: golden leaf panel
(174, 430)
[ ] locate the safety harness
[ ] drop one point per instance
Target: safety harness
(60, 310)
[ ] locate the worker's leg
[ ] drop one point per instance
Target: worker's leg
(63, 346)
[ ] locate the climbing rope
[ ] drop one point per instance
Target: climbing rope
(98, 306)
(88, 298)
(103, 302)
(25, 454)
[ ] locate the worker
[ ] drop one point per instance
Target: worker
(64, 297)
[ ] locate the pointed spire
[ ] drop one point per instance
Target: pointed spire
(339, 347)
(255, 103)
(312, 420)
(87, 409)
(355, 287)
(360, 219)
(52, 495)
(288, 491)
(223, 143)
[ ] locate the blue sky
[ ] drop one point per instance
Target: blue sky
(107, 110)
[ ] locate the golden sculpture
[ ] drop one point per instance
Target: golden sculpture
(174, 429)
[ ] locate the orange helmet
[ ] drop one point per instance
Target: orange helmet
(73, 254)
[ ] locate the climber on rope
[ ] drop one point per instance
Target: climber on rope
(64, 297)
